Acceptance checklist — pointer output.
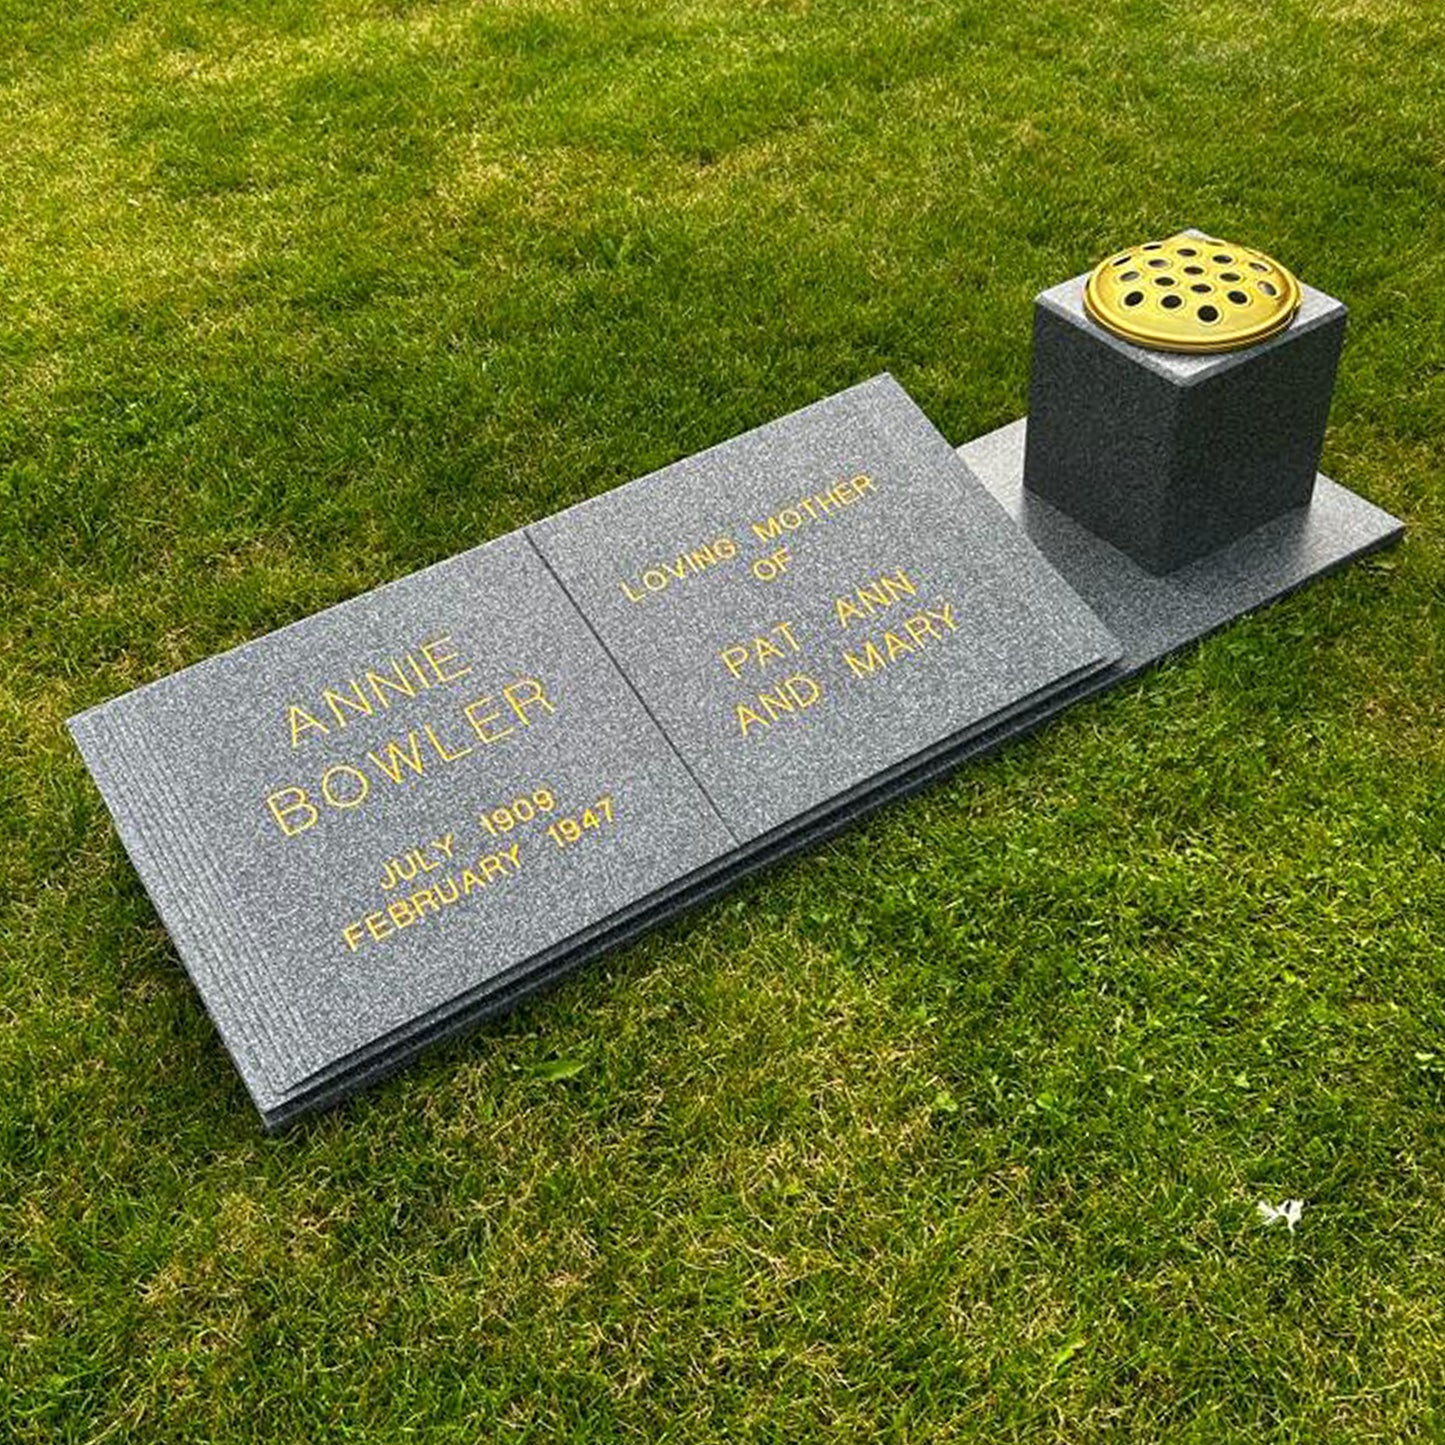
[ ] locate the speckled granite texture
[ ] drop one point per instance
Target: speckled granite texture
(906, 612)
(1170, 457)
(291, 939)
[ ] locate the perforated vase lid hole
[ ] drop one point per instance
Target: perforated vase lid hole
(1191, 293)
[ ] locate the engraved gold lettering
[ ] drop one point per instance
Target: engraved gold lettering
(441, 748)
(397, 757)
(381, 684)
(525, 693)
(522, 702)
(747, 718)
(362, 786)
(896, 646)
(357, 701)
(761, 650)
(301, 721)
(437, 654)
(872, 597)
(920, 627)
(434, 663)
(818, 507)
(793, 695)
(870, 662)
(687, 564)
(286, 804)
(405, 911)
(916, 633)
(479, 724)
(773, 566)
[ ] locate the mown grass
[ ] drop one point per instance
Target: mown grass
(952, 1130)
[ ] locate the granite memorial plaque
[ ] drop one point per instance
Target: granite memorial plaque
(374, 827)
(816, 604)
(353, 822)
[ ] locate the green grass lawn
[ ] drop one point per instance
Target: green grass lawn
(951, 1130)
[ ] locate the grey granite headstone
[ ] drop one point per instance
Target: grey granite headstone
(818, 602)
(1171, 456)
(353, 821)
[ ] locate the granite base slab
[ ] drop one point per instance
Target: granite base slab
(1151, 615)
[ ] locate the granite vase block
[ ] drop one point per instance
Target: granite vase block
(1168, 456)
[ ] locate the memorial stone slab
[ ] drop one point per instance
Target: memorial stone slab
(352, 822)
(374, 828)
(816, 604)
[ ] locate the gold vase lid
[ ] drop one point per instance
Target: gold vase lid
(1192, 293)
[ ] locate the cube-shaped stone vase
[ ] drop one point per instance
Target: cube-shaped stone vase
(1171, 456)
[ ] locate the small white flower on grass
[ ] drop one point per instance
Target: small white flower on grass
(1289, 1211)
